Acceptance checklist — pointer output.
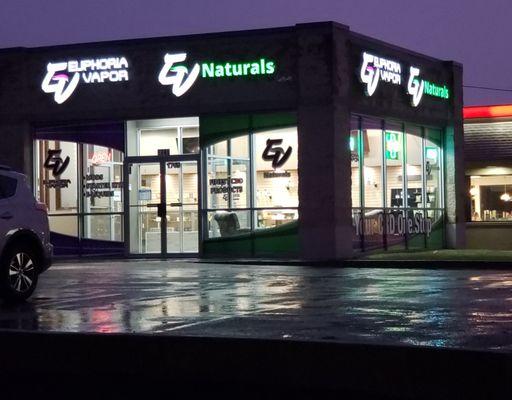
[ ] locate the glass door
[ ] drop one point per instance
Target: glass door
(144, 208)
(162, 208)
(182, 207)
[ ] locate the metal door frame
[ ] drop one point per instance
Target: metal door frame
(162, 160)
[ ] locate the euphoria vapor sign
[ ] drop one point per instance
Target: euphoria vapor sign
(62, 78)
(375, 69)
(181, 78)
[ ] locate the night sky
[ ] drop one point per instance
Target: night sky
(475, 33)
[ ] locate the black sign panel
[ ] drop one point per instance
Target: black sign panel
(162, 77)
(389, 82)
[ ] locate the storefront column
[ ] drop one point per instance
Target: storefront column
(16, 147)
(455, 185)
(324, 157)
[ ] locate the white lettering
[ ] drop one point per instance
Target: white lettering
(396, 224)
(375, 69)
(62, 78)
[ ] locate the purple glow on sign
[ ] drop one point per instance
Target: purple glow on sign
(59, 77)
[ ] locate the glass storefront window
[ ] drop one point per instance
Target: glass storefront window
(106, 227)
(491, 198)
(102, 179)
(273, 218)
(57, 176)
(239, 146)
(217, 183)
(240, 183)
(102, 192)
(433, 168)
(394, 156)
(413, 171)
(177, 135)
(242, 203)
(190, 140)
(402, 170)
(372, 162)
(219, 149)
(354, 146)
(228, 223)
(152, 140)
(81, 184)
(276, 183)
(64, 224)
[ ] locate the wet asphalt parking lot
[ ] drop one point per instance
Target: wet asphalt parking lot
(441, 308)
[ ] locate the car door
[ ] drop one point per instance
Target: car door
(7, 214)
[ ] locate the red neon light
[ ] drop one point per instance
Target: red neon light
(488, 111)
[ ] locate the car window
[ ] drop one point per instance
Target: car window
(7, 186)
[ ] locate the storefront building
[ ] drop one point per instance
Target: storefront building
(239, 144)
(488, 149)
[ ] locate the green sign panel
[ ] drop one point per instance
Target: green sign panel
(392, 145)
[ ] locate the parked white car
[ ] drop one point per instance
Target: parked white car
(25, 249)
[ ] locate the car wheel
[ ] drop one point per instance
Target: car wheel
(19, 273)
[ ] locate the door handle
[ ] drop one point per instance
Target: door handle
(159, 209)
(176, 204)
(6, 215)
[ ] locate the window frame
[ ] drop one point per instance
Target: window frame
(362, 209)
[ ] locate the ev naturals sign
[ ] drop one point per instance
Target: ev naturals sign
(181, 78)
(63, 78)
(375, 69)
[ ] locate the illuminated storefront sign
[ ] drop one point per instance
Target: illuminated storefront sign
(417, 87)
(216, 70)
(181, 78)
(62, 78)
(101, 157)
(375, 69)
(392, 146)
(431, 154)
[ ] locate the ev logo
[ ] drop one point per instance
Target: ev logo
(415, 87)
(369, 74)
(180, 78)
(62, 78)
(55, 163)
(276, 154)
(375, 69)
(57, 81)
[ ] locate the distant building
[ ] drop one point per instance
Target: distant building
(488, 159)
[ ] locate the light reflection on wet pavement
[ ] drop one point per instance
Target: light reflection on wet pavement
(442, 308)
